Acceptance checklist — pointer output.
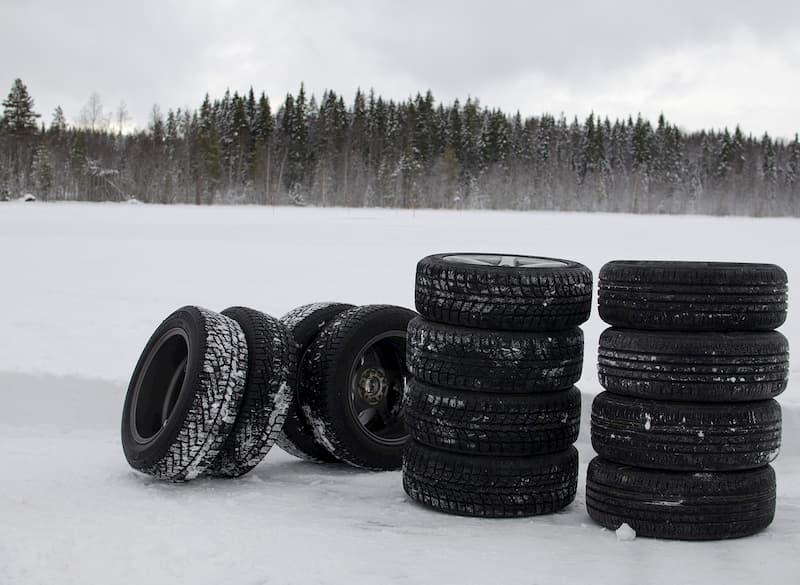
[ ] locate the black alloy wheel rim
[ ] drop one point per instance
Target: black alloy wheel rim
(376, 385)
(159, 386)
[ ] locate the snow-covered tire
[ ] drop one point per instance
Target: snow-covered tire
(494, 361)
(492, 424)
(685, 436)
(352, 384)
(693, 296)
(267, 394)
(490, 487)
(700, 367)
(509, 293)
(680, 505)
(184, 394)
(304, 324)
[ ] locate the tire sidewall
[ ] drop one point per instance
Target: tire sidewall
(143, 456)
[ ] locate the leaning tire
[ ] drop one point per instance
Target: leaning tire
(267, 394)
(509, 293)
(701, 367)
(492, 424)
(490, 487)
(352, 384)
(304, 324)
(683, 506)
(693, 296)
(494, 361)
(685, 436)
(184, 394)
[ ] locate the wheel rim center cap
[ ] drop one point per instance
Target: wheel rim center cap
(372, 386)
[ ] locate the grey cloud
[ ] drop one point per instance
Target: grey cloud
(172, 52)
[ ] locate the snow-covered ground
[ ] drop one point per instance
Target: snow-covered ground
(82, 288)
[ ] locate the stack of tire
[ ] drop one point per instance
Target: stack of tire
(688, 424)
(212, 392)
(491, 405)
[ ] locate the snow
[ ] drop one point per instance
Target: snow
(84, 285)
(625, 533)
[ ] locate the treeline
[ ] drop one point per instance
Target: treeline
(413, 153)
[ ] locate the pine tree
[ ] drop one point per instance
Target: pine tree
(59, 122)
(18, 114)
(209, 165)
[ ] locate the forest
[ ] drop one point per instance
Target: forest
(376, 152)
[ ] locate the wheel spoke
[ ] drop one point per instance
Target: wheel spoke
(478, 260)
(367, 415)
(508, 261)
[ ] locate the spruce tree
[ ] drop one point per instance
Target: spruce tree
(59, 122)
(18, 114)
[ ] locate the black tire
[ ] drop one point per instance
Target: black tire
(693, 296)
(492, 424)
(679, 505)
(337, 380)
(494, 361)
(184, 394)
(701, 367)
(304, 324)
(507, 298)
(489, 487)
(267, 394)
(685, 436)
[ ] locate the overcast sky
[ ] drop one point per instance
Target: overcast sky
(703, 63)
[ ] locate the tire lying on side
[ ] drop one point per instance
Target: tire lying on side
(494, 361)
(508, 293)
(685, 436)
(492, 424)
(304, 324)
(693, 296)
(184, 394)
(701, 367)
(267, 394)
(680, 505)
(352, 384)
(490, 487)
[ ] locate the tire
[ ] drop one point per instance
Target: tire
(267, 394)
(184, 394)
(682, 506)
(693, 296)
(701, 367)
(494, 361)
(355, 369)
(503, 297)
(492, 424)
(489, 487)
(304, 324)
(685, 436)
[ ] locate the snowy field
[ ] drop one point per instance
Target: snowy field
(82, 288)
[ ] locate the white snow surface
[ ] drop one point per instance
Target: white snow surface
(83, 287)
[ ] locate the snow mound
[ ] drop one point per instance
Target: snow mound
(625, 533)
